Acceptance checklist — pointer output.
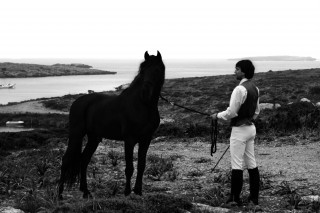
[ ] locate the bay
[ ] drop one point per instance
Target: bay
(45, 87)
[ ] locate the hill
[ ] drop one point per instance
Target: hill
(22, 70)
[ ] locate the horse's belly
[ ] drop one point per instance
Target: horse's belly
(110, 131)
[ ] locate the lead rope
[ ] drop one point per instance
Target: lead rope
(214, 124)
(214, 136)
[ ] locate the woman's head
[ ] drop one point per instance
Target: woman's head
(246, 67)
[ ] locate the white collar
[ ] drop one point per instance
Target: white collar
(243, 80)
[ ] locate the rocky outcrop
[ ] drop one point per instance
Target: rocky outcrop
(210, 209)
(269, 106)
(10, 210)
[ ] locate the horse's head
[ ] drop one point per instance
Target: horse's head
(152, 74)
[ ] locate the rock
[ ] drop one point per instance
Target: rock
(210, 209)
(122, 87)
(318, 104)
(159, 139)
(10, 210)
(307, 200)
(310, 198)
(268, 106)
(166, 120)
(305, 100)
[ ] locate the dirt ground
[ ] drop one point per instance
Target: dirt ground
(298, 165)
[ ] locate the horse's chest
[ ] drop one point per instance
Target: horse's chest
(146, 124)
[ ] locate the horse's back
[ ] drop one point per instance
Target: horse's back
(95, 113)
(113, 116)
(81, 106)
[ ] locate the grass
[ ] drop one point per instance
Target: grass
(30, 162)
(30, 178)
(157, 167)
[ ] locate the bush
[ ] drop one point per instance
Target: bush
(30, 139)
(294, 116)
(194, 130)
(169, 129)
(158, 166)
(315, 90)
(163, 203)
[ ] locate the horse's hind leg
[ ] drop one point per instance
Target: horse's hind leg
(128, 148)
(142, 154)
(86, 155)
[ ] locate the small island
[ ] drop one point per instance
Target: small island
(22, 70)
(276, 58)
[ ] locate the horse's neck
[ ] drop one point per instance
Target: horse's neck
(135, 91)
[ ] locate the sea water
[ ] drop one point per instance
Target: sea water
(45, 87)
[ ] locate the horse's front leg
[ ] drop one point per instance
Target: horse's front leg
(142, 154)
(128, 149)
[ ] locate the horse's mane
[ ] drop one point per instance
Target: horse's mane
(138, 78)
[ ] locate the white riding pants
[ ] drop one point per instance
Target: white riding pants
(242, 147)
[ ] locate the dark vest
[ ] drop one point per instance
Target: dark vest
(248, 108)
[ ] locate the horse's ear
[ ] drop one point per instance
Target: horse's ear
(159, 55)
(146, 55)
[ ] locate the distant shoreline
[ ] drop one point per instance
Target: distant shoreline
(276, 58)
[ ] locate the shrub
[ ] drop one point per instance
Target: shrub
(294, 116)
(31, 139)
(194, 130)
(163, 203)
(115, 157)
(195, 173)
(315, 90)
(158, 166)
(215, 195)
(169, 129)
(202, 160)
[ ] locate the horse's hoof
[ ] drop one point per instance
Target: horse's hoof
(137, 192)
(60, 197)
(87, 195)
(127, 192)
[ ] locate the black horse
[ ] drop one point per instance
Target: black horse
(132, 116)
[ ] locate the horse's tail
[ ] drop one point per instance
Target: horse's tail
(71, 161)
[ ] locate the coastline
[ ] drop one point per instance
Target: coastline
(283, 86)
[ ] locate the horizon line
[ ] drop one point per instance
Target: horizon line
(128, 58)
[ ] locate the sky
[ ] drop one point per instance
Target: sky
(123, 29)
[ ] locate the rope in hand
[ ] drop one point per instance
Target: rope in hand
(214, 124)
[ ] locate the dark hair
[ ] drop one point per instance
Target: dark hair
(246, 67)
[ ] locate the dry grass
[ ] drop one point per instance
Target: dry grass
(179, 164)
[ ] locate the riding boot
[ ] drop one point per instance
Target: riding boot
(236, 187)
(254, 180)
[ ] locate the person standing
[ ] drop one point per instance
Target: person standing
(242, 110)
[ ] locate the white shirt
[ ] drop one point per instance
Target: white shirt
(238, 96)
